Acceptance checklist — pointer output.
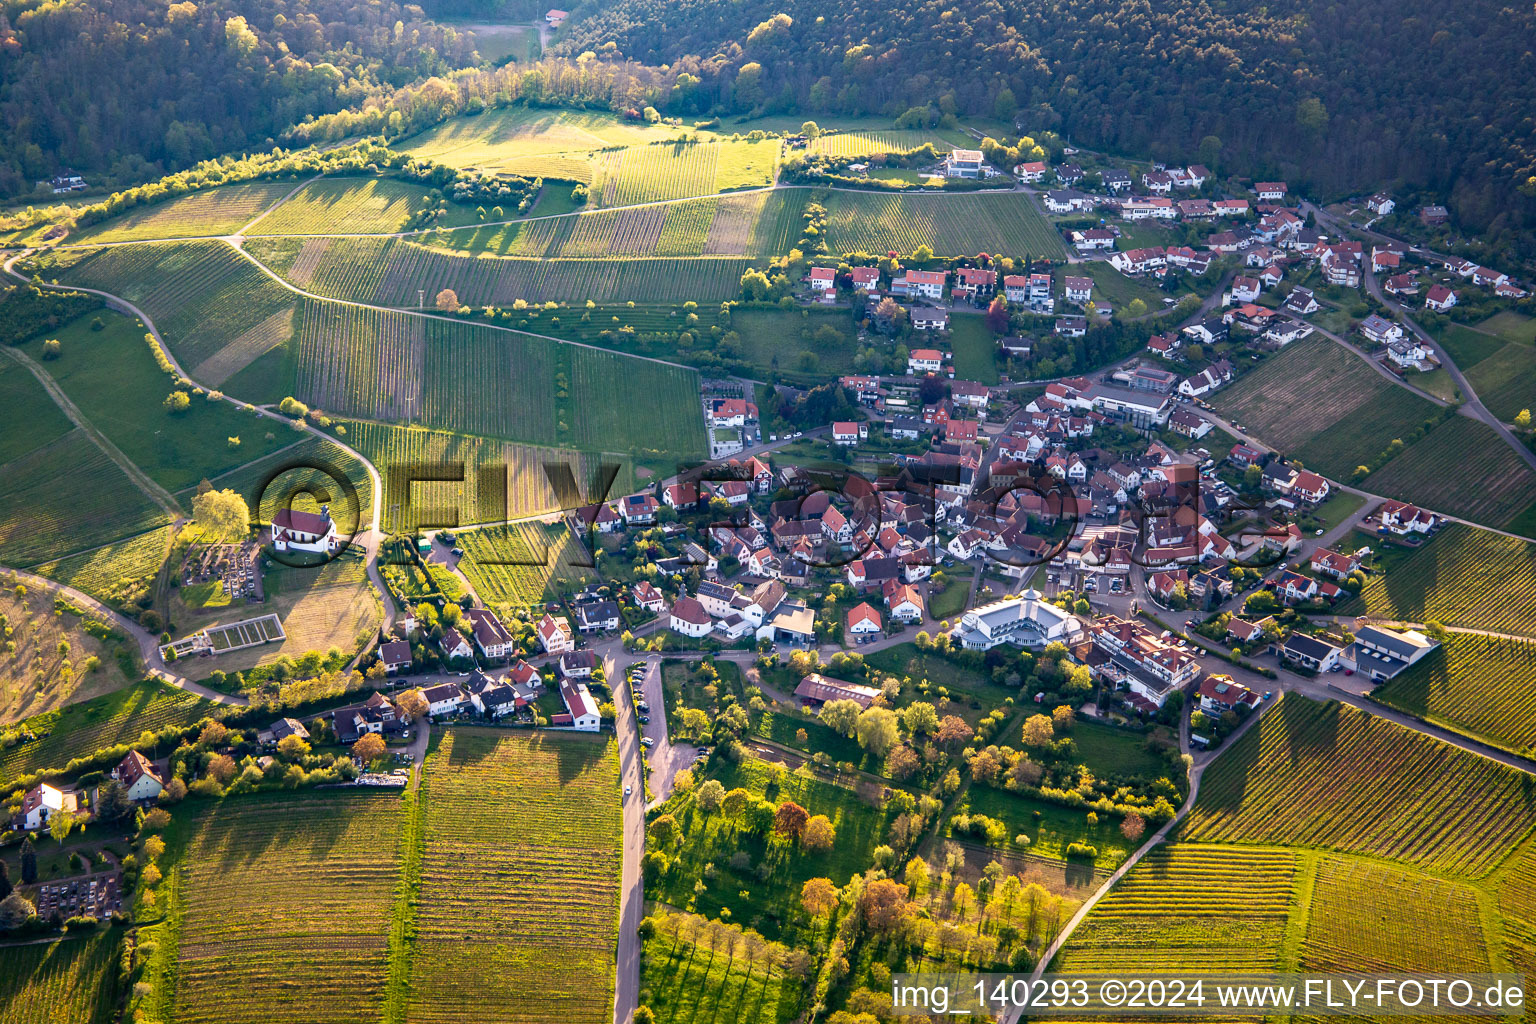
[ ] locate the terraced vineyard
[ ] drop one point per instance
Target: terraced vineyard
(395, 272)
(202, 295)
(1452, 686)
(115, 718)
(519, 915)
(114, 573)
(1379, 919)
(1517, 904)
(350, 205)
(1463, 577)
(45, 514)
(70, 982)
(950, 225)
(1192, 908)
(1327, 775)
(497, 479)
(1461, 468)
(1319, 402)
(214, 211)
(315, 944)
(606, 410)
(513, 565)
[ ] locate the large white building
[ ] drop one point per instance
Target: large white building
(1024, 621)
(311, 532)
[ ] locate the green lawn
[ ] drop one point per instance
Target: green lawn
(974, 348)
(1050, 827)
(952, 602)
(1339, 507)
(816, 342)
(1106, 749)
(1511, 326)
(1468, 346)
(686, 981)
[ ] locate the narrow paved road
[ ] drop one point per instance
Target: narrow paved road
(631, 892)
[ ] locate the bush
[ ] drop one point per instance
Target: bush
(1082, 851)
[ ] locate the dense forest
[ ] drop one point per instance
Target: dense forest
(125, 90)
(1437, 97)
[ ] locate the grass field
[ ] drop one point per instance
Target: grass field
(950, 225)
(1192, 908)
(974, 348)
(1506, 380)
(1329, 776)
(716, 977)
(352, 206)
(38, 677)
(1468, 346)
(523, 565)
(1463, 577)
(315, 941)
(1319, 402)
(108, 720)
(1482, 685)
(519, 915)
(855, 144)
(110, 374)
(1511, 326)
(1051, 828)
(791, 341)
(507, 138)
(29, 416)
(70, 982)
(214, 211)
(1464, 469)
(208, 301)
(46, 514)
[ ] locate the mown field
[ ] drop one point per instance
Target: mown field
(522, 565)
(1463, 577)
(857, 144)
(493, 480)
(507, 138)
(1461, 468)
(518, 918)
(1482, 685)
(115, 718)
(38, 676)
(214, 211)
(287, 899)
(28, 414)
(216, 310)
(399, 272)
(1319, 402)
(70, 982)
(754, 224)
(353, 205)
(109, 372)
(1190, 907)
(950, 225)
(1330, 776)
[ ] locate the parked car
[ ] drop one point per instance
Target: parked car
(647, 742)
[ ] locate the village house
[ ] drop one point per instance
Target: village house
(849, 433)
(1381, 204)
(1079, 290)
(823, 279)
(863, 624)
(1380, 653)
(395, 656)
(689, 618)
(924, 360)
(555, 635)
(816, 689)
(1016, 287)
(926, 319)
(454, 645)
(1308, 652)
(141, 780)
(598, 616)
(1439, 298)
(865, 279)
(1332, 563)
(964, 163)
(1380, 330)
(581, 710)
(1301, 301)
(493, 638)
(444, 699)
(1032, 172)
(1067, 200)
(1270, 191)
(923, 284)
(376, 714)
(42, 802)
(645, 596)
(1402, 518)
(1219, 694)
(1093, 239)
(1244, 289)
(974, 282)
(903, 601)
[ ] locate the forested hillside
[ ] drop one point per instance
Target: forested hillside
(129, 89)
(1339, 96)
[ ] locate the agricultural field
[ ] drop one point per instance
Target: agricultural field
(1190, 907)
(353, 206)
(300, 475)
(678, 170)
(110, 374)
(495, 42)
(1375, 918)
(73, 981)
(950, 225)
(315, 943)
(697, 970)
(359, 362)
(29, 416)
(1462, 577)
(209, 212)
(1330, 776)
(615, 401)
(105, 721)
(1516, 892)
(859, 144)
(496, 480)
(46, 515)
(505, 139)
(396, 272)
(1511, 326)
(202, 295)
(1506, 380)
(1321, 403)
(118, 574)
(519, 908)
(1452, 687)
(1468, 346)
(40, 675)
(522, 565)
(1461, 468)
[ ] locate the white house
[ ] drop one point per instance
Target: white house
(1439, 298)
(581, 708)
(1381, 204)
(689, 618)
(139, 777)
(454, 645)
(444, 698)
(311, 532)
(963, 163)
(555, 635)
(39, 803)
(823, 279)
(646, 596)
(924, 360)
(1380, 330)
(395, 655)
(863, 623)
(1079, 290)
(1270, 191)
(490, 635)
(903, 600)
